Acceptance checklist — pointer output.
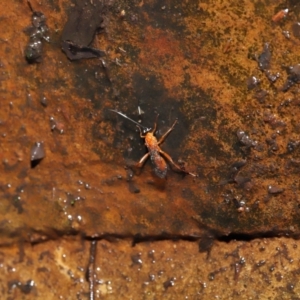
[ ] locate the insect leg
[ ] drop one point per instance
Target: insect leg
(142, 160)
(155, 123)
(173, 164)
(141, 133)
(161, 140)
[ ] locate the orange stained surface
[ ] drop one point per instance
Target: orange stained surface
(237, 132)
(64, 156)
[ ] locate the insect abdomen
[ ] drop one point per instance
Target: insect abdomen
(160, 166)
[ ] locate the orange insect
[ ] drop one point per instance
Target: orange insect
(157, 155)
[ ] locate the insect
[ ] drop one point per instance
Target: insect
(158, 157)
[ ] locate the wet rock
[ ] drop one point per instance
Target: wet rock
(243, 182)
(84, 20)
(169, 283)
(264, 62)
(293, 77)
(25, 288)
(273, 120)
(133, 188)
(136, 259)
(273, 189)
(206, 242)
(238, 164)
(286, 34)
(292, 146)
(264, 58)
(273, 146)
(260, 95)
(18, 203)
(294, 73)
(37, 153)
(271, 77)
(56, 125)
(37, 32)
(233, 171)
(33, 51)
(245, 139)
(252, 82)
(296, 29)
(44, 101)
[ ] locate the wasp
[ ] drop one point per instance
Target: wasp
(157, 155)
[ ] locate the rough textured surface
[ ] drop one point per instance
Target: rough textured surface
(244, 150)
(227, 72)
(259, 269)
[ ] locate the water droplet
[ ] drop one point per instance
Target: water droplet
(169, 283)
(211, 276)
(44, 101)
(290, 287)
(151, 277)
(242, 260)
(136, 259)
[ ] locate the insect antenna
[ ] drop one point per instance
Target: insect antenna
(144, 128)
